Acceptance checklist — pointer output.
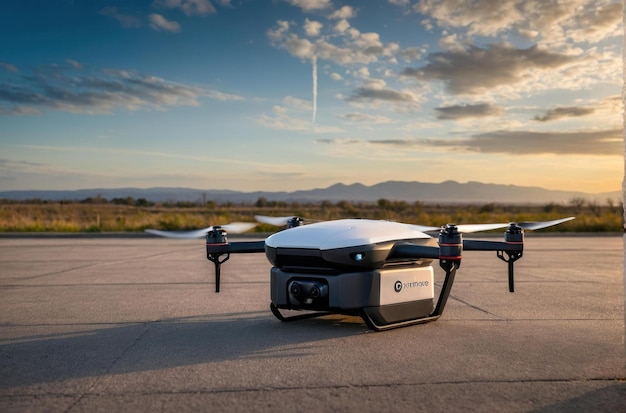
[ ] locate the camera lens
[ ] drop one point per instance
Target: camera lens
(295, 289)
(314, 292)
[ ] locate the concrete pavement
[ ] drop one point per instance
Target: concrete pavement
(95, 324)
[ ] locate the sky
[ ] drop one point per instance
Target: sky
(282, 95)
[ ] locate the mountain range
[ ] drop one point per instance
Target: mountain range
(448, 192)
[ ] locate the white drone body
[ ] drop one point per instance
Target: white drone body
(344, 267)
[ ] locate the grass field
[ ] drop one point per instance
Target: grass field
(101, 215)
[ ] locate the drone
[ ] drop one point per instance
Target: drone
(379, 270)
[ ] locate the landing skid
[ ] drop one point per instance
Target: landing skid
(382, 327)
(283, 318)
(369, 321)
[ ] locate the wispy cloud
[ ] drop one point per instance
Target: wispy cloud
(66, 88)
(189, 7)
(478, 110)
(377, 90)
(607, 142)
(125, 19)
(160, 23)
(310, 5)
(339, 141)
(564, 112)
(283, 120)
(593, 142)
(9, 67)
(364, 117)
(134, 153)
(371, 94)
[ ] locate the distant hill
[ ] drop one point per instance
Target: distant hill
(447, 192)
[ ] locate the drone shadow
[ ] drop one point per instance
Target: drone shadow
(134, 347)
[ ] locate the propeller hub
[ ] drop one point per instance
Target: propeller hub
(514, 228)
(294, 222)
(450, 229)
(514, 234)
(216, 236)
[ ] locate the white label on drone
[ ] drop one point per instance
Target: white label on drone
(406, 284)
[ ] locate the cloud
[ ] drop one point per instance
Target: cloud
(127, 21)
(65, 88)
(310, 5)
(353, 47)
(9, 67)
(283, 121)
(468, 111)
(372, 92)
(601, 142)
(364, 117)
(564, 112)
(74, 64)
(346, 12)
(477, 69)
(297, 104)
(552, 23)
(597, 23)
(189, 7)
(312, 28)
(411, 53)
(343, 141)
(401, 3)
(160, 23)
(342, 26)
(481, 17)
(290, 116)
(19, 110)
(608, 142)
(12, 163)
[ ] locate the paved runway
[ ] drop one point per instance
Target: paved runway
(105, 324)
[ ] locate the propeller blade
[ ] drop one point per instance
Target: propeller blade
(276, 221)
(423, 228)
(238, 227)
(531, 225)
(467, 228)
(198, 233)
(233, 228)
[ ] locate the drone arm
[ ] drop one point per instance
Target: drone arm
(218, 250)
(240, 247)
(483, 245)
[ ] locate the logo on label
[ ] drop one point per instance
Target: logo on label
(399, 285)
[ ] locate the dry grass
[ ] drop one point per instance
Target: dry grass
(79, 217)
